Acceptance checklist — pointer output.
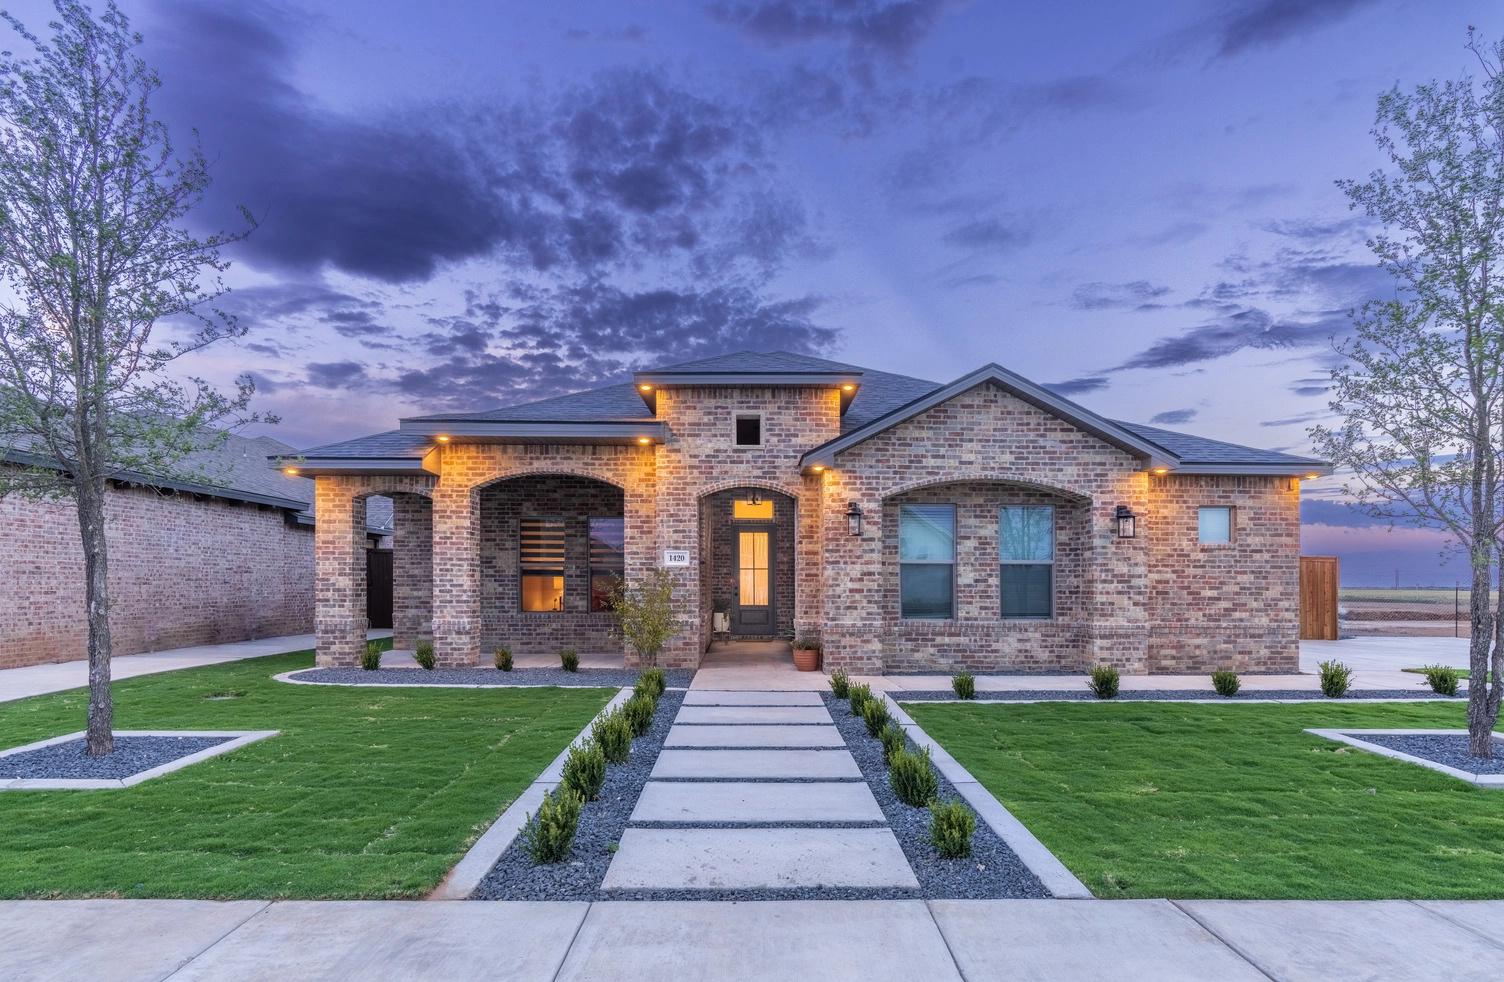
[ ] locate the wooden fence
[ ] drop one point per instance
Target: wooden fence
(1318, 598)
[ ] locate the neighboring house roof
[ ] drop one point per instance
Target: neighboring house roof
(622, 414)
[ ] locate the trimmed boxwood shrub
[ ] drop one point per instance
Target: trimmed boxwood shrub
(1103, 682)
(569, 659)
(1443, 680)
(549, 836)
(858, 696)
(585, 770)
(913, 777)
(1335, 677)
(875, 715)
(370, 659)
(964, 686)
(613, 732)
(1226, 683)
(504, 658)
(893, 741)
(652, 681)
(952, 825)
(423, 655)
(840, 684)
(639, 711)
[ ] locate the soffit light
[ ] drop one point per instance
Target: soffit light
(1127, 522)
(853, 519)
(1312, 477)
(818, 468)
(443, 439)
(644, 439)
(646, 388)
(291, 470)
(1161, 470)
(848, 388)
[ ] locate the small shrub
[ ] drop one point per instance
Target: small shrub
(964, 686)
(549, 836)
(570, 659)
(805, 644)
(1103, 682)
(645, 612)
(1334, 679)
(651, 680)
(875, 715)
(952, 825)
(370, 659)
(639, 711)
(423, 655)
(859, 696)
(504, 658)
(1226, 683)
(893, 741)
(1443, 680)
(585, 770)
(840, 684)
(613, 732)
(913, 778)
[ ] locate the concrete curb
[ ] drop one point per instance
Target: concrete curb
(1061, 882)
(284, 677)
(242, 737)
(1353, 738)
(477, 862)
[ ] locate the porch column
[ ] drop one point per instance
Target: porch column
(1118, 581)
(339, 613)
(456, 576)
(412, 570)
(640, 540)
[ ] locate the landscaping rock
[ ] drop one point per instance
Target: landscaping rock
(1448, 749)
(133, 754)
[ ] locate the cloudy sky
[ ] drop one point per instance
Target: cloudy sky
(468, 204)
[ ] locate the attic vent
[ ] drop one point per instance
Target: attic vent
(749, 431)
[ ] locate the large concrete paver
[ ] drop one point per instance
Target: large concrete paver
(783, 715)
(753, 736)
(708, 859)
(756, 765)
(1347, 941)
(704, 802)
(111, 940)
(393, 941)
(715, 697)
(1084, 941)
(689, 941)
(1485, 917)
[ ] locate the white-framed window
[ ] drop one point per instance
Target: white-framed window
(748, 430)
(1026, 558)
(1214, 525)
(927, 562)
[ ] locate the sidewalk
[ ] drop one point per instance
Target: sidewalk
(687, 941)
(36, 680)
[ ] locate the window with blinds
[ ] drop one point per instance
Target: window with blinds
(541, 555)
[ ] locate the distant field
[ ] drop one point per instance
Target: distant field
(1407, 596)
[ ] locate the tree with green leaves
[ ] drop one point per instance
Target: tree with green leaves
(93, 254)
(1420, 390)
(644, 612)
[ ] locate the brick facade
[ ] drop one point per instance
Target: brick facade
(1158, 602)
(184, 570)
(721, 573)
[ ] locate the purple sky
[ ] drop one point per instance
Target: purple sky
(469, 204)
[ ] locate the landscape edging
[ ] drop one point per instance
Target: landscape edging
(478, 860)
(1060, 881)
(1353, 738)
(239, 738)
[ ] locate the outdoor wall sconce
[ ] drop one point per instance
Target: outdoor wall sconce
(1127, 522)
(755, 499)
(853, 519)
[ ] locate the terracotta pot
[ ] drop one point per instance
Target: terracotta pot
(806, 659)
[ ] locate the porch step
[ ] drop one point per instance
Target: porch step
(755, 765)
(752, 714)
(753, 736)
(707, 802)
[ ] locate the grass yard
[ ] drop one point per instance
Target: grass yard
(367, 793)
(1210, 801)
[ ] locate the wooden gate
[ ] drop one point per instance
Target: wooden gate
(1318, 598)
(379, 587)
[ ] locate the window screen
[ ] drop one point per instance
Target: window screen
(927, 561)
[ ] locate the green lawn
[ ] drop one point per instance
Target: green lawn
(1462, 673)
(366, 792)
(1207, 801)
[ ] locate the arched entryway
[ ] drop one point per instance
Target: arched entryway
(747, 563)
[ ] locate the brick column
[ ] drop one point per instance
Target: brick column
(339, 617)
(456, 575)
(412, 563)
(1118, 575)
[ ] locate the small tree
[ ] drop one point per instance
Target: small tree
(1421, 389)
(92, 254)
(645, 612)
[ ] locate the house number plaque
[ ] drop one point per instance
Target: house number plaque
(676, 557)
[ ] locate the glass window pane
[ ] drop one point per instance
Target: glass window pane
(1216, 525)
(542, 542)
(926, 591)
(1027, 532)
(607, 536)
(1027, 590)
(926, 533)
(746, 509)
(602, 585)
(542, 591)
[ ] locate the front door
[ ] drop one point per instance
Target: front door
(753, 613)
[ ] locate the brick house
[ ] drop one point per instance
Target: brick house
(229, 558)
(983, 524)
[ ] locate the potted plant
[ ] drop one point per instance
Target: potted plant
(720, 617)
(806, 654)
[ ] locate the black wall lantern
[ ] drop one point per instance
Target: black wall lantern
(1127, 522)
(853, 519)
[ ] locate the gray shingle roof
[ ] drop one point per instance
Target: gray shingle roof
(609, 404)
(239, 465)
(392, 443)
(880, 394)
(1199, 450)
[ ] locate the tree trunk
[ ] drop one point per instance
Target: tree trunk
(101, 739)
(1480, 722)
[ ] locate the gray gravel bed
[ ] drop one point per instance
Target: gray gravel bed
(133, 754)
(1449, 749)
(1160, 695)
(993, 871)
(515, 877)
(676, 678)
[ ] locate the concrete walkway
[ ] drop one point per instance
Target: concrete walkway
(689, 941)
(735, 763)
(36, 680)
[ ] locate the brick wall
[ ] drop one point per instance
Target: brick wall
(502, 505)
(183, 571)
(723, 576)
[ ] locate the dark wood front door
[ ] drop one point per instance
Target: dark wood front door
(753, 611)
(379, 588)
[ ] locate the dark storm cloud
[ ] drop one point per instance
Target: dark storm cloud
(1079, 386)
(619, 169)
(1232, 332)
(892, 28)
(1138, 295)
(1266, 22)
(335, 375)
(1173, 417)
